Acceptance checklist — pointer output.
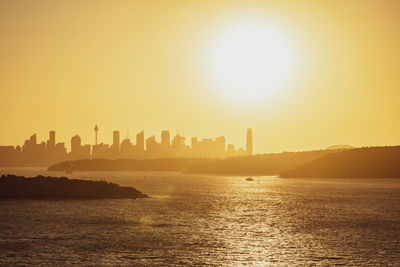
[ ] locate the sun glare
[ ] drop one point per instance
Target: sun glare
(251, 61)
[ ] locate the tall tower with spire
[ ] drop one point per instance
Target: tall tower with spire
(249, 142)
(96, 129)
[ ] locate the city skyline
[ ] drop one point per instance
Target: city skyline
(154, 64)
(50, 151)
(200, 133)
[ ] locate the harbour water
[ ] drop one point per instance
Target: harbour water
(208, 220)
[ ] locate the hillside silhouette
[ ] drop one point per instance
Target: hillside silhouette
(369, 162)
(265, 164)
(12, 186)
(166, 164)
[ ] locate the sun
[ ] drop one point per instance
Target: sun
(251, 61)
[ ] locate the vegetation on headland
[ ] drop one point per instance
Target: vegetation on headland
(353, 163)
(368, 162)
(12, 186)
(165, 164)
(266, 164)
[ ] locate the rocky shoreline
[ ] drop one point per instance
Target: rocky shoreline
(19, 187)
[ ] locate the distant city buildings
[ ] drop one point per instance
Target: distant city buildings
(77, 150)
(50, 152)
(32, 153)
(249, 142)
(209, 148)
(115, 145)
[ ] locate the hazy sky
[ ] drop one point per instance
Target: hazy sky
(133, 65)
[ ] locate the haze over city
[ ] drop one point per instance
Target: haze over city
(199, 133)
(150, 65)
(35, 152)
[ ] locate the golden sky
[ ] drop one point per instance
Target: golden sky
(133, 65)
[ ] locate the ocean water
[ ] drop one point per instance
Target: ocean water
(208, 220)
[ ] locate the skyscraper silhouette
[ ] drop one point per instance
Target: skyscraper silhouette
(140, 141)
(52, 152)
(165, 138)
(249, 142)
(51, 143)
(33, 139)
(115, 144)
(76, 145)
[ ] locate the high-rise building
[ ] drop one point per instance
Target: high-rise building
(151, 144)
(140, 141)
(249, 142)
(60, 148)
(194, 143)
(178, 140)
(220, 145)
(126, 148)
(115, 144)
(76, 145)
(51, 143)
(165, 138)
(178, 146)
(33, 139)
(100, 151)
(230, 151)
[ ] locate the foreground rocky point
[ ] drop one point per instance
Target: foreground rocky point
(12, 186)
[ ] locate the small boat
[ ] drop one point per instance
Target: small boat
(249, 179)
(68, 172)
